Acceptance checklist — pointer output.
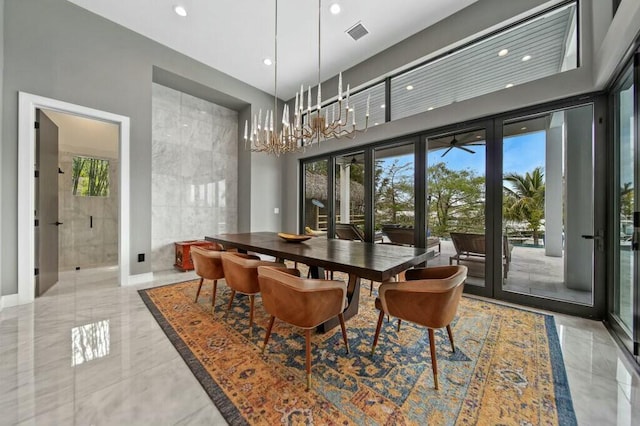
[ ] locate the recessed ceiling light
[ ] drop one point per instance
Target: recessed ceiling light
(375, 124)
(382, 106)
(525, 58)
(350, 109)
(335, 8)
(478, 137)
(430, 109)
(523, 128)
(509, 85)
(267, 62)
(180, 10)
(503, 52)
(409, 87)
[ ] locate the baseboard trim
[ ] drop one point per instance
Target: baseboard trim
(9, 300)
(139, 279)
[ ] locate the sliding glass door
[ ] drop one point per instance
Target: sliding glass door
(456, 202)
(394, 193)
(512, 197)
(315, 201)
(548, 234)
(626, 204)
(349, 178)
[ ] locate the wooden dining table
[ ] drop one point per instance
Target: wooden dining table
(376, 262)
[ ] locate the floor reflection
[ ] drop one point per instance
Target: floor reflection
(89, 342)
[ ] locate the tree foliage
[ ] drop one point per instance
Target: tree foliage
(394, 189)
(90, 177)
(524, 199)
(456, 200)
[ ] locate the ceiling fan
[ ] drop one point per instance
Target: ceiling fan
(348, 163)
(454, 144)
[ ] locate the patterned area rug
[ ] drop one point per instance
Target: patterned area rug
(507, 368)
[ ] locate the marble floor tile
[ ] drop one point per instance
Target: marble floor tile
(89, 352)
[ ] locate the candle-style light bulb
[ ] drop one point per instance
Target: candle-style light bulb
(340, 86)
(347, 97)
(309, 100)
(246, 129)
(319, 96)
(301, 99)
(368, 99)
(295, 110)
(260, 119)
(333, 113)
(354, 117)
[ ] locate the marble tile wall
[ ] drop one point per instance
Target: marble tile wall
(79, 244)
(194, 171)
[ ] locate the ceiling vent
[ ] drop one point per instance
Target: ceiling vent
(357, 31)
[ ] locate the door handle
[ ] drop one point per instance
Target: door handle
(56, 223)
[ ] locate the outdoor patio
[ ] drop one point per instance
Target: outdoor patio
(530, 272)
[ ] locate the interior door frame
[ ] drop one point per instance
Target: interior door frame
(27, 106)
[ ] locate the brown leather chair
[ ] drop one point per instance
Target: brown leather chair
(429, 297)
(208, 266)
(302, 302)
(241, 275)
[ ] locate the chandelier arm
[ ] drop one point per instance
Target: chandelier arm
(275, 78)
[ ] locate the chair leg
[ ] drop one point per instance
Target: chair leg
(213, 296)
(198, 292)
(344, 331)
(399, 322)
(370, 288)
(434, 362)
(251, 303)
(307, 335)
(378, 327)
(233, 294)
(453, 347)
(266, 337)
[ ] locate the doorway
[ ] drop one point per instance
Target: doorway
(87, 191)
(28, 106)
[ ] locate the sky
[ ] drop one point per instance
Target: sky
(521, 154)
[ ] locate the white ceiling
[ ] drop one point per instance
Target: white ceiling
(234, 36)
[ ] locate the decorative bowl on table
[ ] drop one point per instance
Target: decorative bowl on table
(293, 238)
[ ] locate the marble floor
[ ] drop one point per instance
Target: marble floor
(89, 353)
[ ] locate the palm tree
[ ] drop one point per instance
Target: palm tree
(524, 199)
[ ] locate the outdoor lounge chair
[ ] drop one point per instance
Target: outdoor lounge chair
(404, 235)
(471, 248)
(348, 231)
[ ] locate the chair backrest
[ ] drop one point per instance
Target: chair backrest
(348, 231)
(429, 297)
(241, 272)
(207, 262)
(399, 234)
(468, 243)
(302, 302)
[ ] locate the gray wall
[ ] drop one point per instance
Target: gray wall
(58, 50)
(477, 18)
(1, 121)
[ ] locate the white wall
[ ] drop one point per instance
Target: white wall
(622, 31)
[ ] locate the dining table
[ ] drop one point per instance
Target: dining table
(357, 259)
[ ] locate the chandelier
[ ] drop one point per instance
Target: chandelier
(309, 125)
